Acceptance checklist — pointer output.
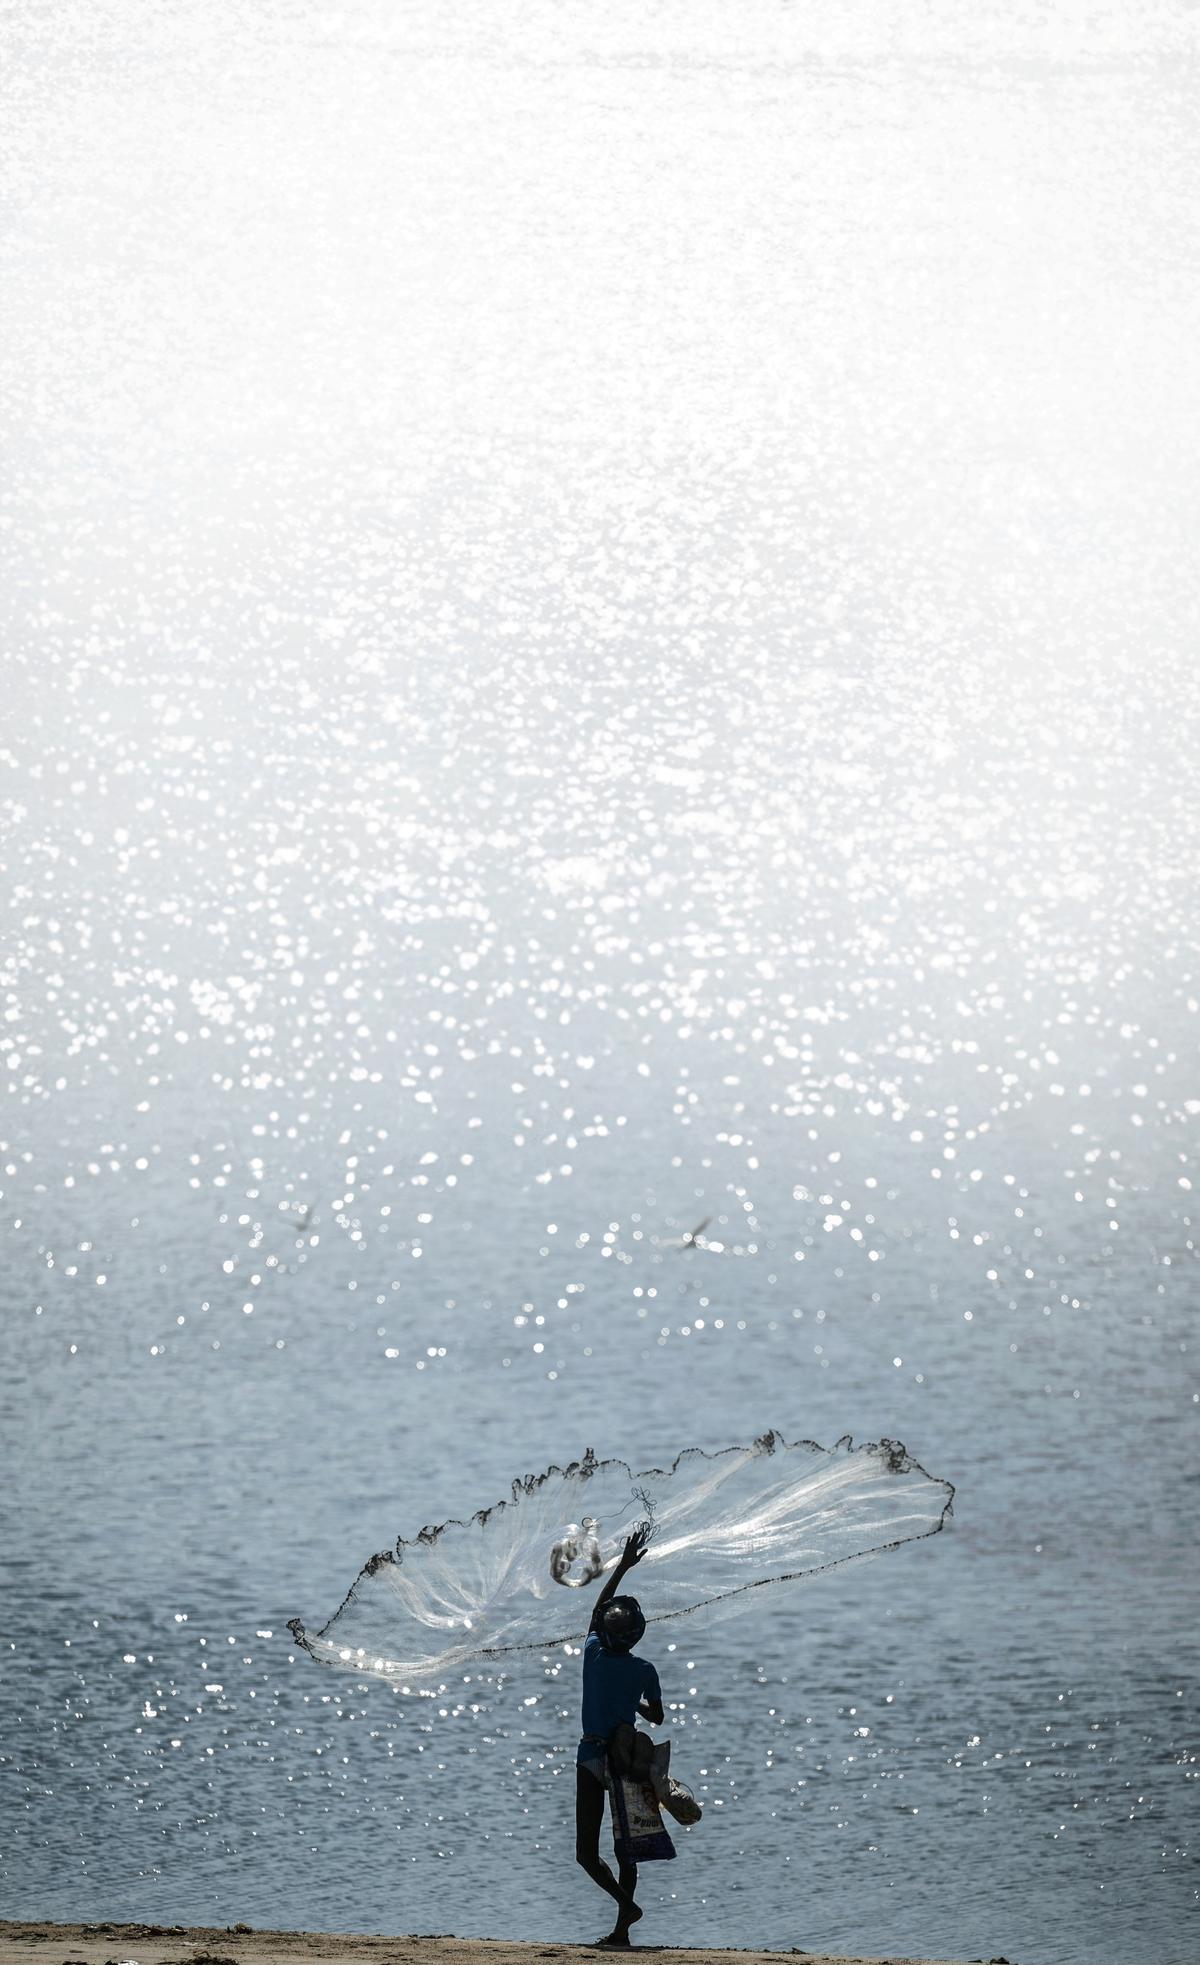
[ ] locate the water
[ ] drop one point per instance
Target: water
(600, 631)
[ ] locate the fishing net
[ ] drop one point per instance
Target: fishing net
(722, 1526)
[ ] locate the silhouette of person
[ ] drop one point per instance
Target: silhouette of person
(617, 1687)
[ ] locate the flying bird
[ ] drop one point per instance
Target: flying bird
(692, 1239)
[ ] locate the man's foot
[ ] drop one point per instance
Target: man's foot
(618, 1937)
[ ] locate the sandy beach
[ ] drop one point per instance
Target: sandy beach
(177, 1944)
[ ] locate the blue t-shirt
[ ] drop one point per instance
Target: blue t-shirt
(613, 1682)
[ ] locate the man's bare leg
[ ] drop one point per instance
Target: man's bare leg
(589, 1814)
(618, 1937)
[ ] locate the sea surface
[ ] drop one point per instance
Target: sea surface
(600, 619)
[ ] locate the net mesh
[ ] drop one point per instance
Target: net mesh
(520, 1575)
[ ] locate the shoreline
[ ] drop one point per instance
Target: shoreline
(33, 1943)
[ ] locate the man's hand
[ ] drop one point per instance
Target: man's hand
(635, 1546)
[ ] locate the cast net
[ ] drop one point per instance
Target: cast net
(522, 1575)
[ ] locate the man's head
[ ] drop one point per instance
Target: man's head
(621, 1624)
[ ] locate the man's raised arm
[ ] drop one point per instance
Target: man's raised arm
(634, 1550)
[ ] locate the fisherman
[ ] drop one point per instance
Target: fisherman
(616, 1688)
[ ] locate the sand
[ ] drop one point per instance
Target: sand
(160, 1944)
